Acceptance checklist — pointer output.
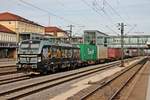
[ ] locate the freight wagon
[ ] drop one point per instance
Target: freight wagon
(134, 52)
(114, 53)
(88, 54)
(102, 54)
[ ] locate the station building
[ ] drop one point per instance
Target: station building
(13, 30)
(55, 32)
(19, 24)
(8, 43)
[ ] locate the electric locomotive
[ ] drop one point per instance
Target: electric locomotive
(44, 56)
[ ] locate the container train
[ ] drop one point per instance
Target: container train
(43, 56)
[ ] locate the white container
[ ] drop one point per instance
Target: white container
(102, 52)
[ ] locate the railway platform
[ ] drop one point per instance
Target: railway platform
(85, 83)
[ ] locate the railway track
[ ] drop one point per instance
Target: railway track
(28, 89)
(5, 79)
(5, 70)
(13, 79)
(8, 72)
(13, 66)
(109, 88)
(33, 87)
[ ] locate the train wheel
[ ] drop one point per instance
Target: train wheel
(73, 65)
(44, 73)
(45, 70)
(59, 68)
(54, 68)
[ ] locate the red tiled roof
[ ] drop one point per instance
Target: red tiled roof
(5, 30)
(6, 16)
(53, 29)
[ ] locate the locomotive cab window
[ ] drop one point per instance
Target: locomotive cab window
(30, 44)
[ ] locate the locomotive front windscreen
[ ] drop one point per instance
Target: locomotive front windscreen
(29, 47)
(28, 51)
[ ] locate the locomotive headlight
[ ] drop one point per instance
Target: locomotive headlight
(39, 59)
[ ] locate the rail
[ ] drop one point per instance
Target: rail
(84, 95)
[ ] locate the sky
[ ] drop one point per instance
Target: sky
(102, 15)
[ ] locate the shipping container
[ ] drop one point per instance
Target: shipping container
(132, 52)
(136, 52)
(147, 52)
(88, 52)
(102, 52)
(114, 53)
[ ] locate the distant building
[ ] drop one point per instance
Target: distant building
(95, 37)
(76, 40)
(19, 24)
(8, 43)
(130, 41)
(55, 32)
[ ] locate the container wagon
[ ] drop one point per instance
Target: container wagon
(102, 54)
(114, 53)
(133, 52)
(88, 54)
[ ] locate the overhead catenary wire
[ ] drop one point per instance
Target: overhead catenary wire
(94, 9)
(60, 3)
(112, 30)
(116, 12)
(98, 8)
(70, 22)
(103, 9)
(131, 29)
(104, 4)
(91, 7)
(46, 11)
